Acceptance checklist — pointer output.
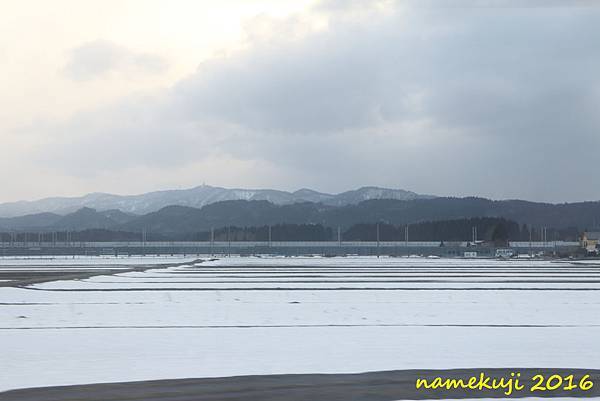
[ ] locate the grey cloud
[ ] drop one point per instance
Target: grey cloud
(484, 101)
(100, 58)
(462, 71)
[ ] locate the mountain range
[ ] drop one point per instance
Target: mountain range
(175, 219)
(195, 197)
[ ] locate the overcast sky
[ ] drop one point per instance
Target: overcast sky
(485, 98)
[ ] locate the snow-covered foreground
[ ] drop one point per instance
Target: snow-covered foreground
(300, 315)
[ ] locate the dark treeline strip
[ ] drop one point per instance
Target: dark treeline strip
(279, 232)
(491, 229)
(91, 235)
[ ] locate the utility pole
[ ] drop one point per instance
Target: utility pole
(474, 234)
(406, 239)
(270, 236)
(377, 238)
(544, 236)
(144, 242)
(212, 241)
(530, 234)
(339, 236)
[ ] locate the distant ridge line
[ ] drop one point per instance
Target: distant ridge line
(197, 197)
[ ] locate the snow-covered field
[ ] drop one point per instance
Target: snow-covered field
(238, 316)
